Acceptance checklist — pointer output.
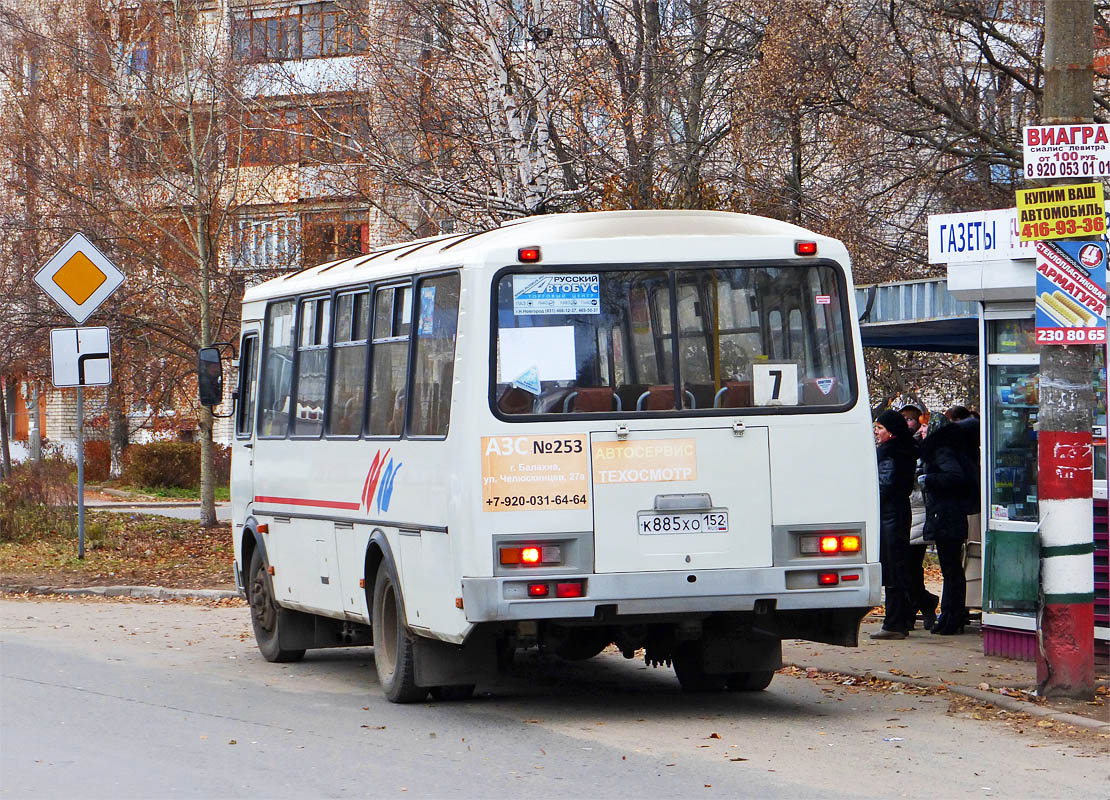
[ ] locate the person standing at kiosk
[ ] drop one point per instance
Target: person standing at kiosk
(897, 459)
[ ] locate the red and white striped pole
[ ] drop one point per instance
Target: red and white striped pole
(1066, 613)
(1065, 616)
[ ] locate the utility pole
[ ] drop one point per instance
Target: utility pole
(1065, 614)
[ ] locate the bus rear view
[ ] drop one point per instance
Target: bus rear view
(647, 429)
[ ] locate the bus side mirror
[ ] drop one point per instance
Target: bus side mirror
(210, 377)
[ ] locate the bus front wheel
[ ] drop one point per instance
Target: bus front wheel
(266, 615)
(394, 649)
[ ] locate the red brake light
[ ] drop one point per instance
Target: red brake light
(537, 590)
(852, 577)
(805, 248)
(573, 589)
(830, 544)
(529, 555)
(828, 579)
(528, 255)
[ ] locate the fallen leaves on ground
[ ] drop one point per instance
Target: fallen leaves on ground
(123, 549)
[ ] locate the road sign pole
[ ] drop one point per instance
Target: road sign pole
(80, 472)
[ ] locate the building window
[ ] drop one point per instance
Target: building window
(314, 30)
(328, 237)
(269, 243)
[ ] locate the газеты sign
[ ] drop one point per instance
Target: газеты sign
(1071, 292)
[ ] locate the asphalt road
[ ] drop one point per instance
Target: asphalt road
(120, 700)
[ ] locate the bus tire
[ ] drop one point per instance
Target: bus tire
(689, 668)
(448, 693)
(266, 615)
(750, 681)
(394, 648)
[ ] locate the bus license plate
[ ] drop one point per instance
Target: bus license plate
(652, 522)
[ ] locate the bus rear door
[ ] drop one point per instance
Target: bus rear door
(696, 498)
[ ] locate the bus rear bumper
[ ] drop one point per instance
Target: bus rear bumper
(501, 599)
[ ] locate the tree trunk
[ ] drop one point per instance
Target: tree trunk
(5, 452)
(34, 429)
(118, 429)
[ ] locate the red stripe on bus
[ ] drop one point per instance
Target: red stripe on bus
(300, 501)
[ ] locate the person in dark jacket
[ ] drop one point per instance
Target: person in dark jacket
(897, 461)
(921, 599)
(949, 486)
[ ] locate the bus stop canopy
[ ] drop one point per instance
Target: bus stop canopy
(917, 315)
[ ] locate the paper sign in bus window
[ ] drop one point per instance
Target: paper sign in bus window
(550, 351)
(556, 294)
(775, 384)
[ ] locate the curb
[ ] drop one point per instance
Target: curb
(148, 592)
(1000, 700)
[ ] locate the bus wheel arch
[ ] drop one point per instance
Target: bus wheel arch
(267, 617)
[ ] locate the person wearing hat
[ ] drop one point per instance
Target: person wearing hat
(896, 453)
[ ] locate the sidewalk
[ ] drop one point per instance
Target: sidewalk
(956, 663)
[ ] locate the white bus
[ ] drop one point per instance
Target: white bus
(646, 428)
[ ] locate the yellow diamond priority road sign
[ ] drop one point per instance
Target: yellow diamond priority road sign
(79, 278)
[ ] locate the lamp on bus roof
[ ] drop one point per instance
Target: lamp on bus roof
(528, 255)
(805, 248)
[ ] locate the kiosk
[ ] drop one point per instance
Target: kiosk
(995, 270)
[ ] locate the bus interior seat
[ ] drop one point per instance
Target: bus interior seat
(703, 393)
(734, 394)
(592, 399)
(515, 400)
(629, 392)
(661, 398)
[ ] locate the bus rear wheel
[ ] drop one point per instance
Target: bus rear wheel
(689, 668)
(266, 615)
(394, 647)
(750, 681)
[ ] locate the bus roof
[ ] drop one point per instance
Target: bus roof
(466, 248)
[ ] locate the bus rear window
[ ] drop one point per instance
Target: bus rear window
(613, 341)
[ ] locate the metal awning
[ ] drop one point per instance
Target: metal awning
(917, 315)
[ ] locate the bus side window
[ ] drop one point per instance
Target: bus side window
(248, 361)
(348, 373)
(389, 356)
(434, 361)
(312, 365)
(277, 370)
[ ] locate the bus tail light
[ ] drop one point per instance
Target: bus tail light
(830, 543)
(847, 578)
(570, 589)
(828, 579)
(805, 248)
(528, 255)
(530, 555)
(537, 590)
